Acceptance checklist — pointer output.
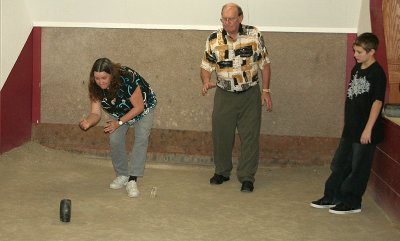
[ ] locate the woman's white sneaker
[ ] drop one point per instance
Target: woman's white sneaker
(119, 182)
(132, 189)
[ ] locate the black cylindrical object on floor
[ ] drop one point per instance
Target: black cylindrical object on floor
(65, 210)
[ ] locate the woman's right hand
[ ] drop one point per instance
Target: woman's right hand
(93, 118)
(84, 124)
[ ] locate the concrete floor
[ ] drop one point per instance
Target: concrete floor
(34, 179)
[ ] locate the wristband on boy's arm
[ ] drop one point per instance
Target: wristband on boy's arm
(266, 90)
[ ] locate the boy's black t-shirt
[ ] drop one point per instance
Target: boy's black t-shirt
(366, 86)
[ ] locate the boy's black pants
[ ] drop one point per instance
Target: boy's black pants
(351, 167)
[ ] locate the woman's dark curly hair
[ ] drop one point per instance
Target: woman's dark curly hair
(104, 65)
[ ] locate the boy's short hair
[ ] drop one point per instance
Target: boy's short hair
(367, 41)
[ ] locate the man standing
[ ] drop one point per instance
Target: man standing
(236, 52)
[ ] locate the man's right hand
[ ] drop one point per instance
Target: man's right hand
(206, 87)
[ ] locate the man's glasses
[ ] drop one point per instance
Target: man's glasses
(228, 20)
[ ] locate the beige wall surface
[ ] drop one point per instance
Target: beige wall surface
(308, 77)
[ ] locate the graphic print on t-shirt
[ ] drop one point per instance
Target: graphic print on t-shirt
(358, 86)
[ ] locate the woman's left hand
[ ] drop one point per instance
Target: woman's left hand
(111, 126)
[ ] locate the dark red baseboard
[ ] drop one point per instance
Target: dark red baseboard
(274, 150)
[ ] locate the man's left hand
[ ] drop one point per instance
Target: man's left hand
(266, 99)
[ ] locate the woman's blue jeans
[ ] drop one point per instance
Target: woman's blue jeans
(139, 150)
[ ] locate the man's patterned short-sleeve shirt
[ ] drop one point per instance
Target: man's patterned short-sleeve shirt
(235, 62)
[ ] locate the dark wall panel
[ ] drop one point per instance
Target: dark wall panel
(16, 101)
(386, 167)
(385, 182)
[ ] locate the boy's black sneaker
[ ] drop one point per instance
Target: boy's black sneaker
(322, 203)
(343, 208)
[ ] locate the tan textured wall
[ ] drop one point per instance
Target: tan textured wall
(308, 77)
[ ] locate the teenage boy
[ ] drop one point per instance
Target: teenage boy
(363, 129)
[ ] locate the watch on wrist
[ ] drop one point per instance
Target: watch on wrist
(120, 122)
